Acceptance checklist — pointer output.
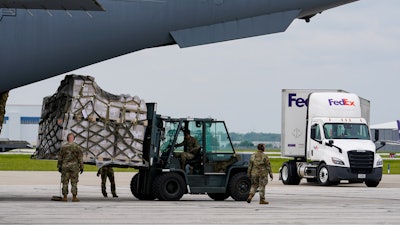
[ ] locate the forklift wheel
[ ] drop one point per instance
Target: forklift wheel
(169, 187)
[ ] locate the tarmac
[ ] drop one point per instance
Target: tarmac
(25, 198)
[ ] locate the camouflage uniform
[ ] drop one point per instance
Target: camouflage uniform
(70, 162)
(3, 101)
(191, 148)
(105, 172)
(258, 171)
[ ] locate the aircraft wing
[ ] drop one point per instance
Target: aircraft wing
(230, 30)
(87, 5)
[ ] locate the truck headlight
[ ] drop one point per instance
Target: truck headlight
(337, 161)
(379, 162)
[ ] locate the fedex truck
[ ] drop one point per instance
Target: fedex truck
(327, 134)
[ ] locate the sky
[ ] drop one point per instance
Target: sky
(355, 47)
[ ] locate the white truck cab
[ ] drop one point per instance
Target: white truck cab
(327, 134)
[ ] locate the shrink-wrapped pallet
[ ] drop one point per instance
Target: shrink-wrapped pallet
(109, 128)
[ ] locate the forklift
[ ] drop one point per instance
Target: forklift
(215, 170)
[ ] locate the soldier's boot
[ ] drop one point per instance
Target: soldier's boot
(263, 202)
(113, 191)
(75, 199)
(249, 198)
(64, 199)
(104, 190)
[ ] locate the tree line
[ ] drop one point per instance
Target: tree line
(247, 139)
(254, 136)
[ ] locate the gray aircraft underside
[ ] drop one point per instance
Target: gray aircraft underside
(40, 38)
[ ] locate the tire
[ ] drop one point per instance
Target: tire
(218, 196)
(289, 173)
(285, 173)
(169, 187)
(371, 183)
(323, 175)
(239, 186)
(134, 185)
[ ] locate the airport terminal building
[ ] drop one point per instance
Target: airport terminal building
(21, 122)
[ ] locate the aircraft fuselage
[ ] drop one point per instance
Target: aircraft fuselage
(38, 44)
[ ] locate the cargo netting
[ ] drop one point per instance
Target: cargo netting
(109, 128)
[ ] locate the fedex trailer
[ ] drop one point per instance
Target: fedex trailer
(327, 134)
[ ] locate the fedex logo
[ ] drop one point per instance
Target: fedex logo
(299, 102)
(293, 100)
(343, 102)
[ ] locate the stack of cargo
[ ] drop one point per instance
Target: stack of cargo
(109, 128)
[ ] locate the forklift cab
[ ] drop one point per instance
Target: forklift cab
(215, 154)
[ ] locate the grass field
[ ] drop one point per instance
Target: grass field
(25, 163)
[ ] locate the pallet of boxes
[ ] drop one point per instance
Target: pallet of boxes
(109, 128)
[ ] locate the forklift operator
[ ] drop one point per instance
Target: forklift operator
(191, 147)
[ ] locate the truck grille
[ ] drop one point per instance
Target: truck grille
(361, 161)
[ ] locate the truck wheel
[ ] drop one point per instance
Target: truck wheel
(285, 173)
(239, 186)
(134, 190)
(371, 183)
(169, 187)
(218, 196)
(323, 175)
(289, 174)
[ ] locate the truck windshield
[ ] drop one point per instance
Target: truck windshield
(346, 131)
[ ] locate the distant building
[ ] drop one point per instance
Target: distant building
(21, 122)
(388, 132)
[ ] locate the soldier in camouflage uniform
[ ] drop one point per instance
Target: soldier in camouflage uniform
(3, 101)
(70, 162)
(191, 147)
(107, 171)
(258, 170)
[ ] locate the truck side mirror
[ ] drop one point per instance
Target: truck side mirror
(330, 143)
(376, 135)
(382, 145)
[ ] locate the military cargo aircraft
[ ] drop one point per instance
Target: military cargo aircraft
(40, 39)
